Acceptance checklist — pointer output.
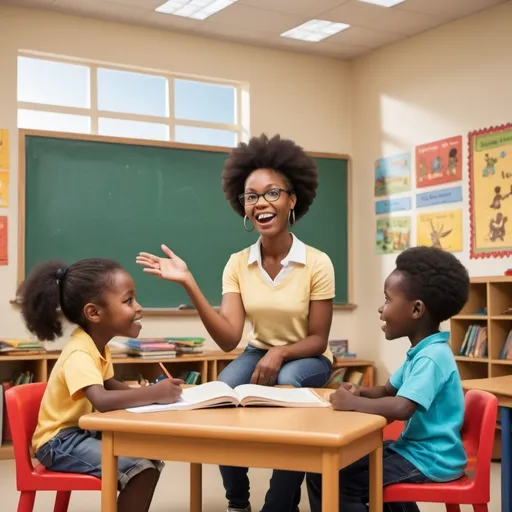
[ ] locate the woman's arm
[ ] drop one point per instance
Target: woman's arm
(225, 326)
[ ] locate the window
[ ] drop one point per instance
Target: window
(60, 95)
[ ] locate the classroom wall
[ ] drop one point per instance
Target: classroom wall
(443, 83)
(302, 97)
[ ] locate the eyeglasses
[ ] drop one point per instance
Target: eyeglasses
(271, 195)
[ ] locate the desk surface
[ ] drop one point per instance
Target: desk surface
(307, 427)
(495, 385)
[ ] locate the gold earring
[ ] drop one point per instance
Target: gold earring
(291, 217)
(245, 225)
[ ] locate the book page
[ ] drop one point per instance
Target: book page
(192, 398)
(296, 396)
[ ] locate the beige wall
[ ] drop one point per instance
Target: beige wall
(442, 83)
(302, 97)
(445, 82)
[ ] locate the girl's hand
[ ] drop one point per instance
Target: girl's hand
(166, 391)
(267, 369)
(171, 268)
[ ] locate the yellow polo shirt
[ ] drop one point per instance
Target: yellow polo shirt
(278, 310)
(79, 365)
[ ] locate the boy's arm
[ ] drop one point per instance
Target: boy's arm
(378, 391)
(391, 407)
(418, 389)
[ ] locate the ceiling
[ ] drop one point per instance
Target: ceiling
(260, 22)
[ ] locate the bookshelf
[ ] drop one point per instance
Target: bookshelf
(209, 363)
(492, 296)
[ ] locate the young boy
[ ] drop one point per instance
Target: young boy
(427, 287)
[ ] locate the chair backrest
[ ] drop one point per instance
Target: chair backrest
(22, 404)
(481, 410)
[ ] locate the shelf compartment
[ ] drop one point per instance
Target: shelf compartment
(498, 336)
(469, 369)
(477, 299)
(458, 329)
(500, 297)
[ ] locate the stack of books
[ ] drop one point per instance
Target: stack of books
(151, 348)
(506, 352)
(475, 342)
(188, 345)
(14, 347)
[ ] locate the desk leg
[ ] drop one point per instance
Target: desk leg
(506, 463)
(376, 458)
(196, 488)
(330, 482)
(108, 473)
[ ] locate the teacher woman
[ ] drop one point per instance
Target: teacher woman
(283, 287)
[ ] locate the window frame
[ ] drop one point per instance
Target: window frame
(240, 127)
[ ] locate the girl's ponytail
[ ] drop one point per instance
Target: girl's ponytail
(40, 294)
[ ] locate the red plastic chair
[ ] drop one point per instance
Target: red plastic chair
(473, 488)
(22, 403)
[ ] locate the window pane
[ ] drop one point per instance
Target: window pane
(132, 93)
(206, 136)
(132, 129)
(53, 83)
(197, 101)
(36, 120)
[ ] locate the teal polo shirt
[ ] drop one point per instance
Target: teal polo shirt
(432, 439)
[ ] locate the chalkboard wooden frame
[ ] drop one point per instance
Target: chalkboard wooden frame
(23, 134)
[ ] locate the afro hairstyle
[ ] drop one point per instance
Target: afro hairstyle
(435, 277)
(280, 155)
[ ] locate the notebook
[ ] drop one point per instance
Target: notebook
(218, 394)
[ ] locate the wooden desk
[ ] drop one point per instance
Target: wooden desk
(312, 440)
(502, 388)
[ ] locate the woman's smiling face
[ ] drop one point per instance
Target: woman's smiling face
(268, 199)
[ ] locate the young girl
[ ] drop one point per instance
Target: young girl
(99, 297)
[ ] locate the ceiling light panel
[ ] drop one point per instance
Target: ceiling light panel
(315, 30)
(384, 3)
(195, 9)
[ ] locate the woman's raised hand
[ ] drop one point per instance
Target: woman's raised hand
(171, 268)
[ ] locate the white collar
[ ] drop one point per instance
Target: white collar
(297, 253)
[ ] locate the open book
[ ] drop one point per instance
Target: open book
(218, 394)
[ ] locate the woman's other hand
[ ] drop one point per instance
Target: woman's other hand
(172, 268)
(268, 367)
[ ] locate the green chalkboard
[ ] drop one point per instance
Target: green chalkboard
(93, 198)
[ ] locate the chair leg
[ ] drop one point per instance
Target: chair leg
(480, 508)
(62, 501)
(452, 507)
(26, 502)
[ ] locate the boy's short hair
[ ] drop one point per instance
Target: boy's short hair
(435, 277)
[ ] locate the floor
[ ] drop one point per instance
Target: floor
(172, 493)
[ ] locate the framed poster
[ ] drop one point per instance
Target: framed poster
(490, 191)
(439, 162)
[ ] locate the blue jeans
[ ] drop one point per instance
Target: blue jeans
(74, 450)
(284, 492)
(354, 483)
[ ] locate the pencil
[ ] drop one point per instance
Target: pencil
(169, 376)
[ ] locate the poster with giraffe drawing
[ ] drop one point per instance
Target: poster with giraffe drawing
(440, 229)
(490, 191)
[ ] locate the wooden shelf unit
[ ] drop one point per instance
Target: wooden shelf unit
(494, 294)
(210, 363)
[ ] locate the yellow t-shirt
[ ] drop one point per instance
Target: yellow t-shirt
(279, 311)
(80, 365)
